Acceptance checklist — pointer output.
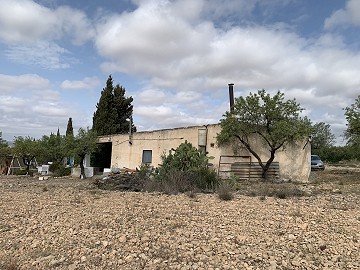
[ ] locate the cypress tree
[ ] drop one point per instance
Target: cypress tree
(112, 110)
(69, 143)
(69, 128)
(124, 110)
(105, 116)
(110, 116)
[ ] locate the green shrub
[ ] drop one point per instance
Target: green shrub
(58, 169)
(184, 169)
(336, 154)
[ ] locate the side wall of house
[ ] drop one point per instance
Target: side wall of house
(293, 159)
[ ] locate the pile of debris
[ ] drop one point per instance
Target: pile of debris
(124, 180)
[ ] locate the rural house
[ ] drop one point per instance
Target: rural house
(131, 150)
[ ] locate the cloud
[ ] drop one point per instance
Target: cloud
(11, 104)
(50, 109)
(25, 21)
(348, 16)
(185, 58)
(192, 55)
(86, 83)
(29, 106)
(151, 96)
(166, 117)
(48, 55)
(164, 38)
(25, 82)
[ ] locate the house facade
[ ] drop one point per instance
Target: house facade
(130, 151)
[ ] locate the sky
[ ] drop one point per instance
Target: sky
(175, 58)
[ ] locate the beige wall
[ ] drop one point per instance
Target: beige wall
(293, 159)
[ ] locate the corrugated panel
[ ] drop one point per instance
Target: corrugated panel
(242, 167)
(253, 170)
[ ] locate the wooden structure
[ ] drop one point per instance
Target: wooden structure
(243, 168)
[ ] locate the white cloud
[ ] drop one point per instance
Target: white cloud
(86, 83)
(163, 39)
(187, 97)
(195, 59)
(48, 55)
(26, 21)
(151, 96)
(48, 109)
(23, 82)
(350, 15)
(183, 54)
(30, 107)
(157, 117)
(11, 104)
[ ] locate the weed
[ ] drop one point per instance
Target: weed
(225, 191)
(262, 198)
(45, 188)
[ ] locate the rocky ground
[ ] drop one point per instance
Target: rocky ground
(69, 224)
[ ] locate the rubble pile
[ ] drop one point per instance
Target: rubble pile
(124, 180)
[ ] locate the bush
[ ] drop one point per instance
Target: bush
(184, 169)
(336, 154)
(225, 191)
(58, 169)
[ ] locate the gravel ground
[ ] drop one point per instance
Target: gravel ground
(68, 224)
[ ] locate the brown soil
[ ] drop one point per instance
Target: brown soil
(67, 223)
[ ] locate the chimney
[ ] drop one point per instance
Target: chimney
(231, 96)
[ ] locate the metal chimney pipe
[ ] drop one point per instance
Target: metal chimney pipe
(231, 96)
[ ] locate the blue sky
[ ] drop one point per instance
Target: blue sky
(175, 58)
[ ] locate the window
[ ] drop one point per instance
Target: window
(147, 156)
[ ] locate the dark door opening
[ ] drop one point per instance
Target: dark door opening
(102, 158)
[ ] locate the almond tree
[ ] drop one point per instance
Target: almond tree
(85, 143)
(271, 120)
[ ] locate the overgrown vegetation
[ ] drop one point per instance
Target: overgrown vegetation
(185, 169)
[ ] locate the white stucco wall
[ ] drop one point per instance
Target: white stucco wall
(293, 159)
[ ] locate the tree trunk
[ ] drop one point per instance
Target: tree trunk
(27, 162)
(82, 168)
(267, 165)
